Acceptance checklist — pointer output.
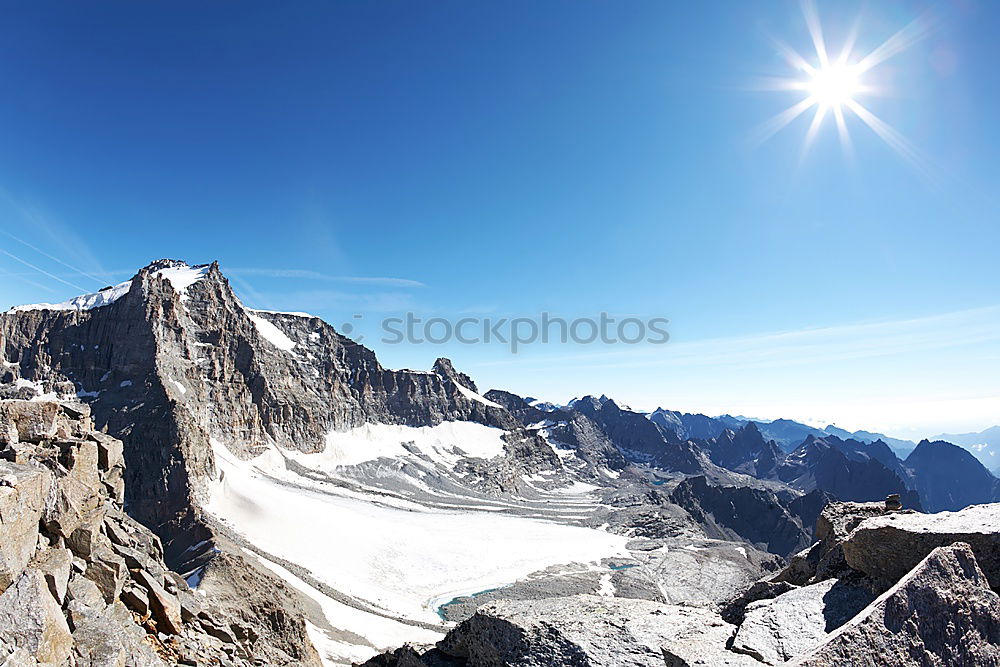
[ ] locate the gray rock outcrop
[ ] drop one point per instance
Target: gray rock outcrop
(941, 613)
(85, 584)
(776, 630)
(582, 631)
(887, 547)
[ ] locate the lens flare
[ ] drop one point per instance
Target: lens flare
(833, 86)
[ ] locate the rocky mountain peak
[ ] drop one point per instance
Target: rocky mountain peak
(444, 368)
(160, 264)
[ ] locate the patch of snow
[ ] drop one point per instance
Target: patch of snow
(468, 393)
(125, 383)
(181, 388)
(271, 333)
(88, 394)
(743, 551)
(607, 587)
(443, 443)
(384, 633)
(577, 487)
(83, 302)
(21, 383)
(180, 277)
(104, 378)
(194, 578)
(195, 547)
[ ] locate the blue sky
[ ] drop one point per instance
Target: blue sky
(504, 159)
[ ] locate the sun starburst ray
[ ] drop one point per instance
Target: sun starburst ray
(815, 31)
(833, 85)
(779, 121)
(889, 135)
(793, 57)
(845, 136)
(915, 31)
(817, 120)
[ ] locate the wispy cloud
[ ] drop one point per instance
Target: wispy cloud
(52, 257)
(324, 299)
(40, 270)
(62, 243)
(23, 278)
(799, 347)
(306, 274)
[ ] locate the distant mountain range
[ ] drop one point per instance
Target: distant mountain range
(984, 445)
(786, 432)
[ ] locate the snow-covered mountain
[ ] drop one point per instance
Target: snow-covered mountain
(387, 504)
(272, 440)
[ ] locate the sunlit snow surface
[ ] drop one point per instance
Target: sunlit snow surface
(271, 333)
(468, 393)
(388, 552)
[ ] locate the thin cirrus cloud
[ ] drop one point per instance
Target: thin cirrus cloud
(306, 274)
(806, 346)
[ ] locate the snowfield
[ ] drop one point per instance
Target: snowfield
(445, 443)
(388, 554)
(271, 333)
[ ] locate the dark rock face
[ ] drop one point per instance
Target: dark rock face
(690, 426)
(950, 478)
(83, 583)
(849, 470)
(745, 451)
(640, 439)
(941, 613)
(756, 515)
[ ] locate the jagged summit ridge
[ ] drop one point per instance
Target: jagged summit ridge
(180, 274)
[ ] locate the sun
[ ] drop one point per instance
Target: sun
(835, 85)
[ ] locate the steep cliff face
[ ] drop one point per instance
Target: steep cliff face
(756, 515)
(848, 469)
(174, 360)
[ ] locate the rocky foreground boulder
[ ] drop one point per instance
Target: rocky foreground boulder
(82, 583)
(941, 613)
(889, 546)
(939, 610)
(579, 631)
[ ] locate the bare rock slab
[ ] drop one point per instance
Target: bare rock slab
(779, 629)
(887, 547)
(590, 631)
(941, 613)
(31, 620)
(23, 491)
